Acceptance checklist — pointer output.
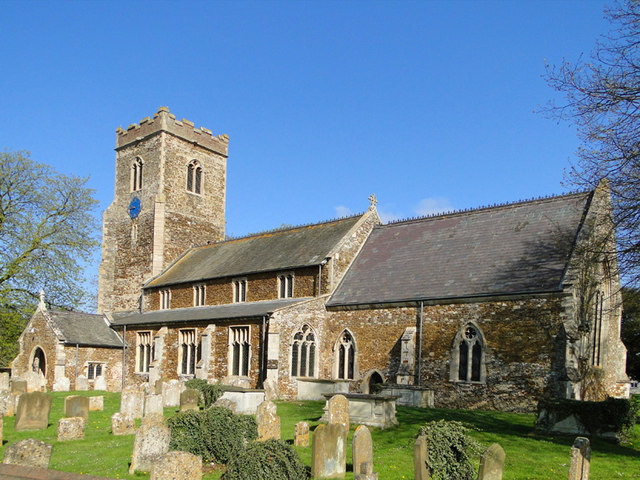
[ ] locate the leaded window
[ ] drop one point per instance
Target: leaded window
(188, 352)
(285, 285)
(143, 352)
(303, 353)
(469, 355)
(239, 290)
(346, 356)
(240, 349)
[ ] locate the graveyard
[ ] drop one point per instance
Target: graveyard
(528, 455)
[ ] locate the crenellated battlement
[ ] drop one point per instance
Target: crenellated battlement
(164, 121)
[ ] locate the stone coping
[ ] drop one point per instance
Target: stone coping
(362, 396)
(397, 386)
(230, 388)
(319, 380)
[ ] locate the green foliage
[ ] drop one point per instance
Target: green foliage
(450, 450)
(630, 332)
(270, 460)
(209, 392)
(215, 433)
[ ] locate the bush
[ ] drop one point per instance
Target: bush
(209, 392)
(270, 460)
(215, 434)
(450, 450)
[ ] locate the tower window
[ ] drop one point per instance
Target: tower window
(188, 352)
(199, 295)
(194, 177)
(136, 174)
(239, 290)
(165, 299)
(240, 351)
(285, 285)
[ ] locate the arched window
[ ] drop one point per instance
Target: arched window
(303, 353)
(39, 362)
(467, 356)
(194, 177)
(136, 174)
(345, 356)
(601, 307)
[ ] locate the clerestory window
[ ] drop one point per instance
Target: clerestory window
(240, 290)
(165, 299)
(199, 295)
(143, 351)
(285, 285)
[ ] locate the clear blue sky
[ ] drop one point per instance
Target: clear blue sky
(429, 105)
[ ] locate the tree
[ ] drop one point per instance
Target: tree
(631, 330)
(602, 98)
(47, 232)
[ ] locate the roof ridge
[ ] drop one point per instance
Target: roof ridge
(75, 312)
(487, 207)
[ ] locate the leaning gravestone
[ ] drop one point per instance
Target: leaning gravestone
(29, 453)
(122, 424)
(7, 404)
(171, 393)
(189, 399)
(100, 383)
(580, 459)
(96, 403)
(18, 387)
(329, 451)
(153, 404)
(77, 406)
(268, 422)
(362, 452)
(301, 434)
(71, 428)
(33, 411)
(82, 383)
(420, 456)
(132, 402)
(151, 443)
(492, 463)
(177, 466)
(4, 382)
(338, 410)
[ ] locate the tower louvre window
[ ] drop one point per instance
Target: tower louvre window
(194, 177)
(136, 174)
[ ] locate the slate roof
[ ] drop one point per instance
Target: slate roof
(510, 249)
(276, 250)
(214, 312)
(84, 329)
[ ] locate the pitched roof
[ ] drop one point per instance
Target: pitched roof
(517, 248)
(214, 312)
(79, 328)
(275, 250)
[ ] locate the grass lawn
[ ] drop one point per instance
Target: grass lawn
(528, 456)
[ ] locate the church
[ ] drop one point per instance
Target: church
(490, 308)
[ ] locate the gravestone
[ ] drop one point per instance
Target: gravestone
(132, 402)
(18, 387)
(420, 456)
(62, 384)
(77, 406)
(153, 404)
(492, 463)
(177, 466)
(338, 410)
(7, 404)
(226, 403)
(96, 403)
(171, 393)
(71, 428)
(29, 453)
(362, 453)
(100, 383)
(189, 400)
(4, 382)
(301, 434)
(580, 459)
(329, 451)
(82, 383)
(122, 424)
(268, 422)
(1, 428)
(151, 443)
(33, 411)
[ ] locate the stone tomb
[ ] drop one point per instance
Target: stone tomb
(71, 428)
(580, 459)
(329, 451)
(122, 424)
(245, 400)
(492, 463)
(268, 422)
(29, 453)
(132, 402)
(151, 443)
(77, 406)
(301, 434)
(96, 403)
(362, 453)
(372, 410)
(177, 466)
(33, 411)
(189, 400)
(420, 457)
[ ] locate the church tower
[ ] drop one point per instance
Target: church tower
(169, 195)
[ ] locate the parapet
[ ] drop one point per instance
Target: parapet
(165, 121)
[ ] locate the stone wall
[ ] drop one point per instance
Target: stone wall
(37, 333)
(111, 358)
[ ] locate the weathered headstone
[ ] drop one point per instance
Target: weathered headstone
(1, 428)
(33, 411)
(270, 389)
(420, 456)
(153, 404)
(268, 422)
(62, 384)
(29, 452)
(301, 434)
(189, 399)
(100, 383)
(71, 428)
(132, 402)
(77, 406)
(492, 463)
(338, 410)
(152, 442)
(82, 383)
(226, 403)
(4, 381)
(7, 404)
(329, 451)
(171, 393)
(580, 459)
(362, 453)
(177, 466)
(122, 424)
(18, 387)
(96, 402)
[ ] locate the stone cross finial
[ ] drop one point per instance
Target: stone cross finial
(373, 201)
(42, 305)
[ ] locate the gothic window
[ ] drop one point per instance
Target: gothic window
(239, 350)
(467, 363)
(136, 174)
(165, 299)
(345, 356)
(285, 285)
(240, 290)
(194, 177)
(199, 292)
(94, 370)
(143, 351)
(187, 358)
(303, 353)
(600, 311)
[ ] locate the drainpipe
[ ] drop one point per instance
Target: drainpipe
(419, 377)
(77, 352)
(124, 353)
(264, 352)
(324, 262)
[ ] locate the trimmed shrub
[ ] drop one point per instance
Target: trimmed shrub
(215, 434)
(209, 392)
(450, 450)
(270, 460)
